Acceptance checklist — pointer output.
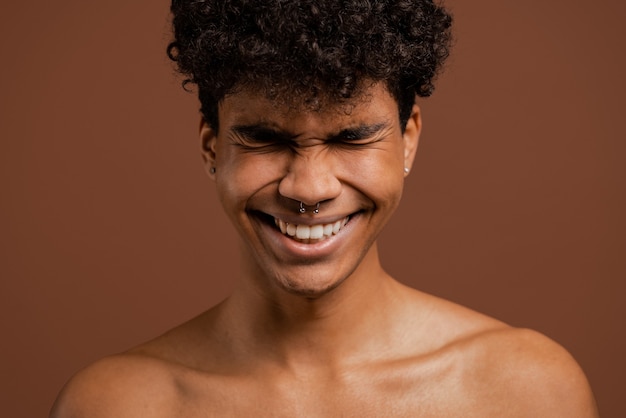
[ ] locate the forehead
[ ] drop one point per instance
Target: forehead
(246, 106)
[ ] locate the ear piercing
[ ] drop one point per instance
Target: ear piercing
(406, 170)
(212, 170)
(315, 211)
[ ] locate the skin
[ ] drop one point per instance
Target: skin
(318, 328)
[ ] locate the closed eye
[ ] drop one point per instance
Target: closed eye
(261, 139)
(359, 136)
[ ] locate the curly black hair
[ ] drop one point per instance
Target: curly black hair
(312, 49)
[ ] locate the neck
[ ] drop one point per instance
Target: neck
(333, 328)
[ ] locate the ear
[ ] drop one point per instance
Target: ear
(411, 137)
(208, 139)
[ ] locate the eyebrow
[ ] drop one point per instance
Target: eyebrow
(264, 133)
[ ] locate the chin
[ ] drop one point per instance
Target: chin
(309, 292)
(309, 287)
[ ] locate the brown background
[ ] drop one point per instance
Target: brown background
(110, 233)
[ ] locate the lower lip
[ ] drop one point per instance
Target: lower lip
(302, 251)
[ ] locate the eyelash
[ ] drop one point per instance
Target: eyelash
(357, 143)
(260, 148)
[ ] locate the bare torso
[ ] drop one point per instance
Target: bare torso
(470, 366)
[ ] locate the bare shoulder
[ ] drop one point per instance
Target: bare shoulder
(152, 380)
(124, 385)
(502, 370)
(521, 372)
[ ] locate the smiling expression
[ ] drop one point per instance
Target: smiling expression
(270, 160)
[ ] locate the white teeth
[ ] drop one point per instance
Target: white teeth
(280, 224)
(336, 227)
(316, 232)
(303, 232)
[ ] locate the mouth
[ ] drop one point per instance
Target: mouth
(310, 234)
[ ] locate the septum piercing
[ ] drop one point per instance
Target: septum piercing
(315, 211)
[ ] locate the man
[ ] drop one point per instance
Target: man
(309, 127)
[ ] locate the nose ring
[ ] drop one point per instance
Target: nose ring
(315, 211)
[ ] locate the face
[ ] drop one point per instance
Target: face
(272, 160)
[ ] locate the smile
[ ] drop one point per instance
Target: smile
(311, 232)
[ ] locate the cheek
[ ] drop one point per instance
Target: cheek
(379, 175)
(241, 175)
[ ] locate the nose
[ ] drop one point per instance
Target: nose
(310, 178)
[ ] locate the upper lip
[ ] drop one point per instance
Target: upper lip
(308, 219)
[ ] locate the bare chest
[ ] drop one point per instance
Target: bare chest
(403, 395)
